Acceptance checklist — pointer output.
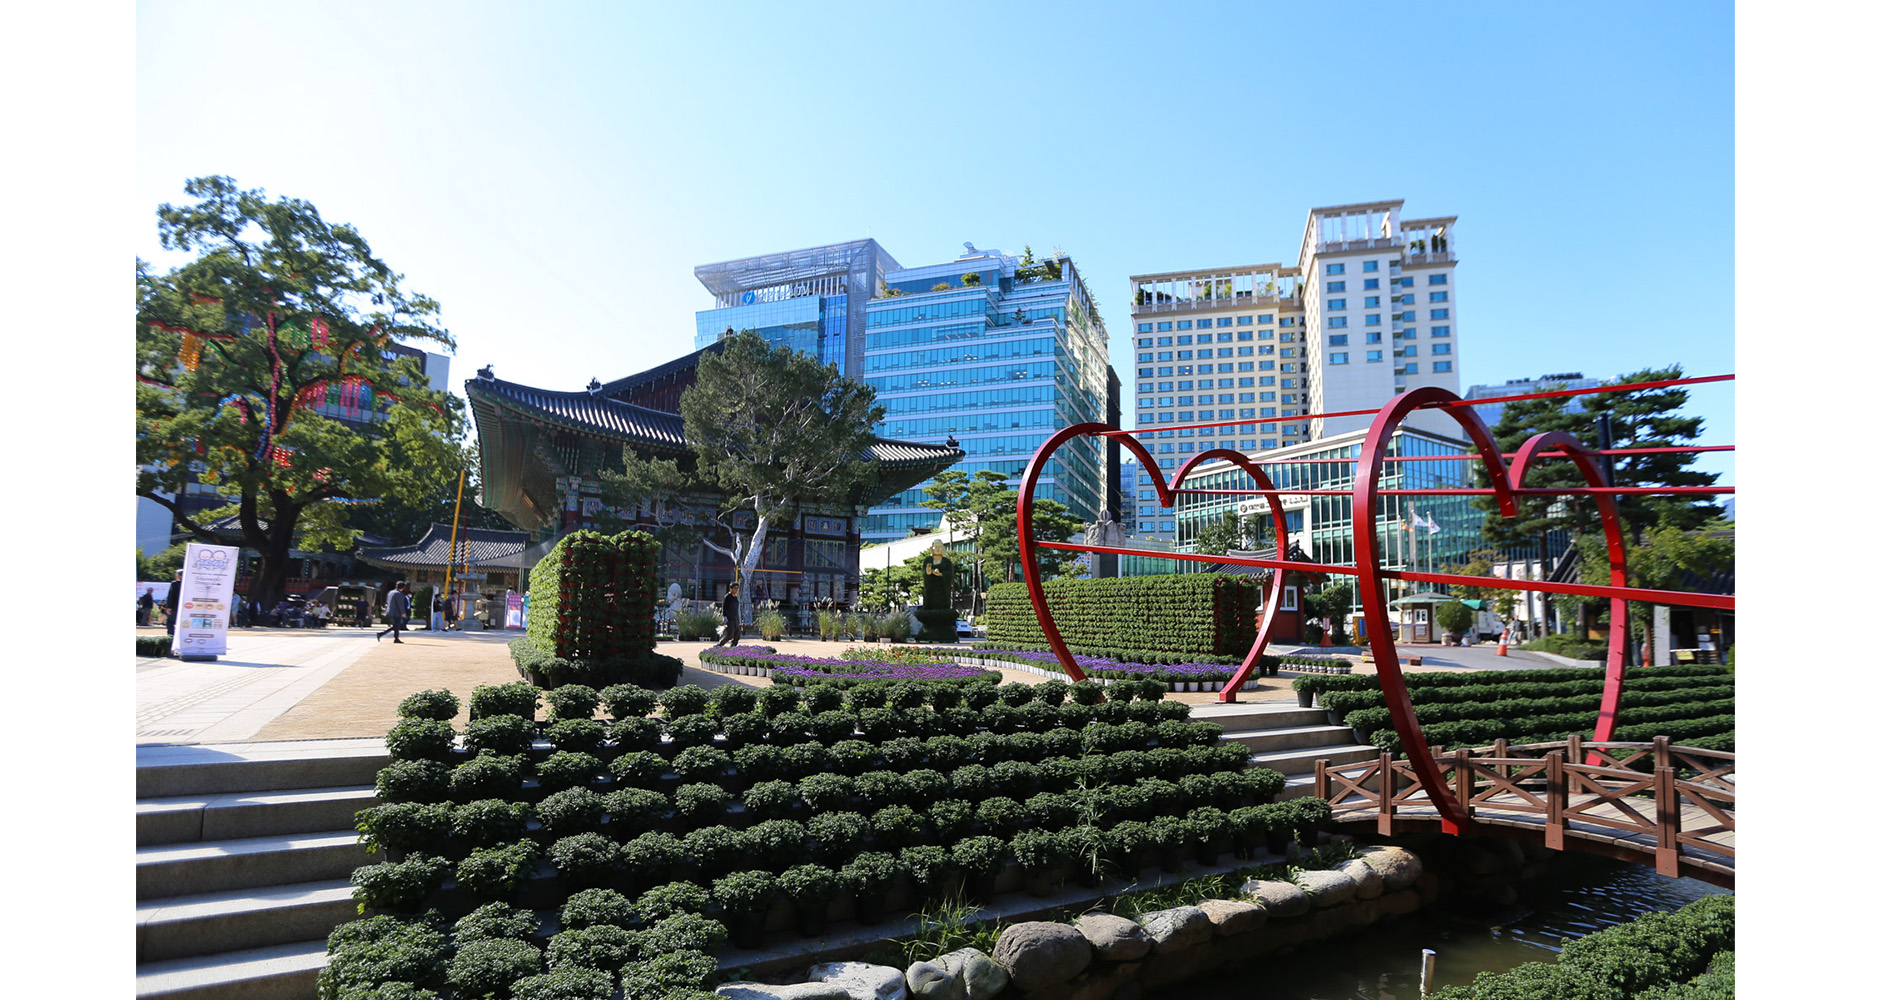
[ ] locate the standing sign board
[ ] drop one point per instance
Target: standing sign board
(204, 601)
(514, 613)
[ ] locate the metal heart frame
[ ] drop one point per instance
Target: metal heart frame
(1504, 485)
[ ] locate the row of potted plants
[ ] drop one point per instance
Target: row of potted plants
(1641, 682)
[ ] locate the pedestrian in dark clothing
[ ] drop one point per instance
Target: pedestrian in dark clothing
(145, 607)
(397, 607)
(171, 601)
(731, 610)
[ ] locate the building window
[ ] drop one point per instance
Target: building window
(1145, 342)
(1411, 368)
(1245, 352)
(1440, 296)
(1245, 382)
(1335, 321)
(1372, 356)
(1207, 369)
(1436, 279)
(1405, 282)
(1441, 366)
(1336, 358)
(1144, 328)
(1441, 313)
(1335, 303)
(1286, 321)
(1205, 338)
(1407, 299)
(1243, 321)
(1372, 320)
(1372, 302)
(1335, 269)
(1244, 334)
(1441, 331)
(1246, 366)
(1146, 358)
(1408, 351)
(1144, 373)
(1222, 352)
(1145, 387)
(1203, 324)
(1206, 383)
(1371, 283)
(1167, 342)
(1164, 327)
(1373, 337)
(1335, 286)
(1408, 316)
(1441, 348)
(1224, 321)
(1371, 265)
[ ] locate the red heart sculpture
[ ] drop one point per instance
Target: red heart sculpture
(1366, 558)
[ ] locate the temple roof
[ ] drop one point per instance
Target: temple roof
(484, 547)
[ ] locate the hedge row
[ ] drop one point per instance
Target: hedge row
(592, 596)
(1198, 614)
(1635, 706)
(1319, 685)
(1685, 955)
(1641, 682)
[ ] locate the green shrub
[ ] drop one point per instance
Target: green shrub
(508, 735)
(589, 907)
(980, 855)
(398, 885)
(635, 735)
(364, 954)
(640, 769)
(679, 702)
(701, 802)
(718, 849)
(439, 704)
(836, 836)
(497, 920)
(580, 735)
(518, 698)
(826, 792)
(927, 864)
(869, 874)
(810, 885)
(893, 827)
(153, 645)
(568, 983)
(413, 781)
(572, 810)
(771, 799)
(586, 860)
(775, 701)
(678, 975)
(660, 902)
(923, 787)
(653, 857)
(405, 826)
(488, 776)
(1001, 817)
(628, 701)
(573, 701)
(491, 965)
(776, 843)
(746, 892)
(702, 764)
(498, 873)
(691, 730)
(567, 769)
(633, 810)
(953, 819)
(488, 822)
(601, 947)
(421, 739)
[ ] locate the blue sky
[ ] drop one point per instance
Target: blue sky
(552, 172)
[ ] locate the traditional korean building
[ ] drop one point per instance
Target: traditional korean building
(542, 451)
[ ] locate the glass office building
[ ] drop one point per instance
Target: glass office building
(812, 300)
(998, 354)
(1323, 524)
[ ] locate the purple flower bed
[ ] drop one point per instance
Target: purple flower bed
(1109, 669)
(788, 669)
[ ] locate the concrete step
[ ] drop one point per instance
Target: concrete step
(248, 863)
(211, 923)
(165, 771)
(1290, 738)
(278, 972)
(1300, 787)
(1240, 718)
(193, 818)
(1300, 762)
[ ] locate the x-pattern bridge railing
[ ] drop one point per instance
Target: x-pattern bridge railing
(1675, 803)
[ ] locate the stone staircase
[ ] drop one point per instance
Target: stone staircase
(1286, 738)
(244, 860)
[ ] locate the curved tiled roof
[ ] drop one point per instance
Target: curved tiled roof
(478, 546)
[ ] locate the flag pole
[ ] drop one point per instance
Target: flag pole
(448, 574)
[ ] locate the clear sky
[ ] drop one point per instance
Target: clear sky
(552, 172)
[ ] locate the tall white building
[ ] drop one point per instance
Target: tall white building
(1367, 312)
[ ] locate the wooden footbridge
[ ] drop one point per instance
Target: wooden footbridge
(1670, 806)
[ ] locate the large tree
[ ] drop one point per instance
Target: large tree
(1219, 537)
(280, 312)
(772, 430)
(984, 507)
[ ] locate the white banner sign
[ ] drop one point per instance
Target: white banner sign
(204, 600)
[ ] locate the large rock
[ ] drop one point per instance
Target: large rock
(934, 982)
(796, 991)
(1231, 916)
(1178, 928)
(1397, 867)
(982, 978)
(1040, 953)
(861, 980)
(1398, 904)
(1116, 939)
(1327, 888)
(1281, 899)
(1366, 883)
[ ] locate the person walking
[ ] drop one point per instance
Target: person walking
(397, 608)
(171, 601)
(145, 606)
(731, 610)
(437, 608)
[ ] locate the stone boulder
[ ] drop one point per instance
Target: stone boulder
(1398, 868)
(1041, 953)
(934, 982)
(1231, 916)
(982, 978)
(1280, 899)
(1178, 928)
(796, 991)
(1327, 888)
(1366, 883)
(861, 980)
(1116, 939)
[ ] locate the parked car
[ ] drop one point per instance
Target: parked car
(964, 631)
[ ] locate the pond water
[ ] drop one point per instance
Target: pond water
(1382, 963)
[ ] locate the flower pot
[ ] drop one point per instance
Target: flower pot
(1178, 686)
(1335, 717)
(1306, 698)
(1039, 882)
(1170, 859)
(870, 908)
(811, 918)
(979, 888)
(1207, 854)
(748, 929)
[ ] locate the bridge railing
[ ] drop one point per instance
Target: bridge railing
(1571, 787)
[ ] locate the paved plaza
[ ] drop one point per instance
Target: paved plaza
(300, 684)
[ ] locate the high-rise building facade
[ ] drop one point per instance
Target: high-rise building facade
(1490, 412)
(1367, 313)
(998, 352)
(812, 300)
